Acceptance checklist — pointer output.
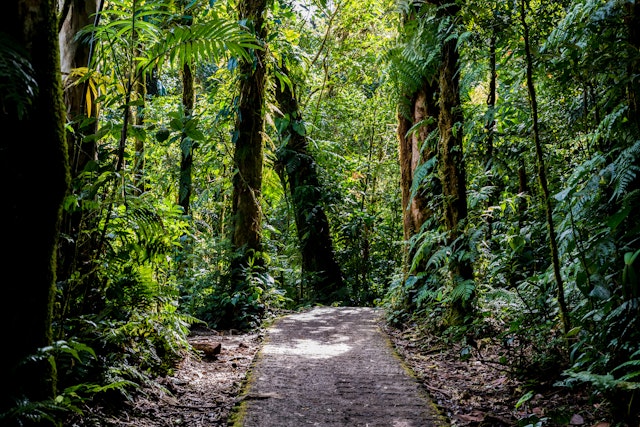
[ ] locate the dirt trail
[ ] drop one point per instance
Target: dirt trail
(332, 367)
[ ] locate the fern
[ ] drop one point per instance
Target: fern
(18, 85)
(463, 291)
(420, 176)
(625, 170)
(206, 42)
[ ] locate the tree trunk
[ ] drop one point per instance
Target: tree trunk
(423, 108)
(320, 271)
(489, 126)
(633, 23)
(542, 175)
(246, 239)
(140, 90)
(186, 144)
(74, 250)
(30, 215)
(452, 168)
(76, 53)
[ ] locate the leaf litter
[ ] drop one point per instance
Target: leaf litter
(474, 390)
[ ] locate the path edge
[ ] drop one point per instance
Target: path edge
(439, 416)
(239, 409)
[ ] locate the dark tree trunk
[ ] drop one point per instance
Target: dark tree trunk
(186, 144)
(34, 173)
(246, 238)
(320, 270)
(633, 23)
(452, 167)
(542, 174)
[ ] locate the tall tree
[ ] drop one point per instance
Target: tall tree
(246, 237)
(416, 120)
(418, 112)
(76, 53)
(320, 270)
(186, 142)
(33, 113)
(452, 166)
(542, 171)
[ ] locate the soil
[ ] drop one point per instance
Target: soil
(348, 353)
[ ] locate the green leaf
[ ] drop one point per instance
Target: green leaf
(524, 399)
(299, 128)
(630, 257)
(574, 331)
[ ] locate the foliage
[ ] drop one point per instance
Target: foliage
(18, 85)
(143, 272)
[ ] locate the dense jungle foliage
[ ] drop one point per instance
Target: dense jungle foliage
(539, 253)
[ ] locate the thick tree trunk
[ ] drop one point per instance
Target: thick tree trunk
(74, 54)
(246, 238)
(30, 213)
(320, 271)
(413, 153)
(452, 168)
(74, 250)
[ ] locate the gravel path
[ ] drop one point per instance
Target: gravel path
(332, 366)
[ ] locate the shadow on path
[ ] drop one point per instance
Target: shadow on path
(332, 366)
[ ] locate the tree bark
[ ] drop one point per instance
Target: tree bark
(246, 238)
(36, 153)
(186, 144)
(423, 106)
(633, 24)
(320, 271)
(452, 167)
(74, 250)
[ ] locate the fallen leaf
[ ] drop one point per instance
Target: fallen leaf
(472, 417)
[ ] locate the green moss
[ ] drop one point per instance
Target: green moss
(442, 420)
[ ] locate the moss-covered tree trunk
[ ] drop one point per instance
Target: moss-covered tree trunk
(320, 271)
(246, 236)
(34, 173)
(452, 168)
(422, 108)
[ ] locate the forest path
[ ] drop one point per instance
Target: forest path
(332, 366)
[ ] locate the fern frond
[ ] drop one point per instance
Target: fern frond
(422, 172)
(208, 41)
(625, 170)
(463, 291)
